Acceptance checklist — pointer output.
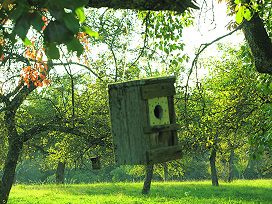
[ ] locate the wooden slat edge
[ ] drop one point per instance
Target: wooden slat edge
(161, 128)
(158, 90)
(164, 154)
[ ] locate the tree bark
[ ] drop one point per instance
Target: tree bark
(60, 173)
(165, 172)
(231, 166)
(259, 43)
(9, 170)
(213, 168)
(16, 141)
(15, 146)
(148, 178)
(155, 5)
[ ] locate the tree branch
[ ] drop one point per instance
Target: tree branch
(155, 5)
(37, 129)
(145, 40)
(82, 65)
(200, 50)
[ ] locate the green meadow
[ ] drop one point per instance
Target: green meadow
(240, 191)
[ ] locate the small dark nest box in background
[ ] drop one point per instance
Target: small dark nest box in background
(96, 163)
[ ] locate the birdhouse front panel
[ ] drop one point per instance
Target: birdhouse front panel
(158, 111)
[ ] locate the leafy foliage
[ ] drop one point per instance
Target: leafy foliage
(58, 22)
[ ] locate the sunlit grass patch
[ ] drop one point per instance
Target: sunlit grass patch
(242, 191)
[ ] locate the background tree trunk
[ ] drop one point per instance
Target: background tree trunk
(148, 178)
(231, 166)
(60, 173)
(165, 172)
(213, 168)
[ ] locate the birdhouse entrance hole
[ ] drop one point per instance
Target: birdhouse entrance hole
(158, 111)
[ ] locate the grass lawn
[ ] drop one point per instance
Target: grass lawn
(240, 191)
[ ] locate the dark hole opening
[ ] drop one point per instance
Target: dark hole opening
(158, 111)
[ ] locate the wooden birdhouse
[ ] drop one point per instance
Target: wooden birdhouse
(96, 163)
(143, 121)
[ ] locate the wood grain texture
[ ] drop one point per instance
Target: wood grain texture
(160, 128)
(158, 90)
(164, 154)
(127, 117)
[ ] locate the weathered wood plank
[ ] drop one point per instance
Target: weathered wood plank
(172, 116)
(135, 119)
(164, 154)
(161, 128)
(160, 139)
(141, 82)
(119, 125)
(158, 90)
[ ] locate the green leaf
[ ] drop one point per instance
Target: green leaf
(180, 59)
(75, 45)
(21, 27)
(71, 22)
(57, 32)
(27, 42)
(160, 47)
(247, 14)
(80, 14)
(56, 11)
(53, 51)
(90, 32)
(174, 62)
(36, 21)
(228, 9)
(266, 90)
(239, 17)
(16, 13)
(1, 50)
(237, 7)
(270, 87)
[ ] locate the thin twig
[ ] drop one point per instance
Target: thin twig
(145, 40)
(82, 65)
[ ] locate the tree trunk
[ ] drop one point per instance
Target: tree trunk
(259, 43)
(213, 168)
(15, 146)
(148, 178)
(9, 170)
(165, 172)
(231, 166)
(60, 173)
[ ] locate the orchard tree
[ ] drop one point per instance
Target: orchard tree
(226, 109)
